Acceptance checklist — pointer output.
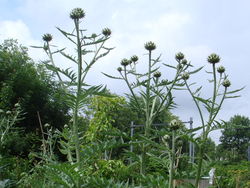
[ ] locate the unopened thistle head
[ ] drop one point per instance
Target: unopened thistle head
(179, 56)
(47, 37)
(77, 13)
(157, 74)
(8, 112)
(150, 46)
(134, 58)
(184, 61)
(119, 69)
(94, 35)
(175, 124)
(166, 137)
(221, 69)
(226, 83)
(185, 76)
(125, 62)
(106, 32)
(213, 58)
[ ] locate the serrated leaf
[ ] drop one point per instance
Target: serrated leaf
(196, 70)
(229, 97)
(113, 77)
(69, 57)
(235, 91)
(170, 66)
(37, 47)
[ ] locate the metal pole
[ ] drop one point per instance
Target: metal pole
(191, 145)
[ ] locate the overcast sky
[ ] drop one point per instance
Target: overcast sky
(194, 27)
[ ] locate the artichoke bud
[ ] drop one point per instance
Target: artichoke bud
(179, 56)
(119, 69)
(157, 74)
(185, 76)
(77, 13)
(150, 46)
(106, 32)
(47, 37)
(134, 58)
(8, 112)
(221, 69)
(184, 61)
(213, 58)
(175, 125)
(125, 62)
(226, 83)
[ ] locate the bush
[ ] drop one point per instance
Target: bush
(233, 175)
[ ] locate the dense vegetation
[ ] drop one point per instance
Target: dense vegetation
(59, 131)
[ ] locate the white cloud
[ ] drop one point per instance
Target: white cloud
(19, 30)
(15, 29)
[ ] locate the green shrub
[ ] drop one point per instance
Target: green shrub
(233, 175)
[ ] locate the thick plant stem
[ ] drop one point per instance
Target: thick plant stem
(148, 117)
(200, 159)
(172, 162)
(79, 85)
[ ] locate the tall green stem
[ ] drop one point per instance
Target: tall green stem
(172, 162)
(214, 97)
(205, 134)
(79, 86)
(197, 105)
(148, 117)
(200, 159)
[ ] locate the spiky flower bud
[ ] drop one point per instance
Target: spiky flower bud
(221, 69)
(179, 143)
(134, 58)
(213, 58)
(166, 137)
(47, 125)
(17, 105)
(47, 37)
(179, 56)
(45, 47)
(8, 112)
(157, 74)
(150, 46)
(226, 83)
(66, 126)
(184, 62)
(94, 35)
(179, 66)
(125, 62)
(175, 124)
(119, 69)
(106, 32)
(77, 13)
(185, 76)
(1, 111)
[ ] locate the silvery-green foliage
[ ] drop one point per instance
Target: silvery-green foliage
(7, 122)
(155, 92)
(89, 49)
(209, 107)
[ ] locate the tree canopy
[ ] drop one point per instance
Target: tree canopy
(236, 137)
(29, 84)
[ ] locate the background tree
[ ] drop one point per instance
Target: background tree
(236, 138)
(29, 84)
